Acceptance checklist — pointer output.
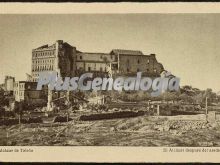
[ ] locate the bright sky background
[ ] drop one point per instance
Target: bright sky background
(186, 44)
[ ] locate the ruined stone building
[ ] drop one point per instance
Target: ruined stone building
(59, 57)
(68, 61)
(25, 90)
(98, 63)
(131, 61)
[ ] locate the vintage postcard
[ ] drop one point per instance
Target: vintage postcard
(123, 82)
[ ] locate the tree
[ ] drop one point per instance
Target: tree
(2, 112)
(168, 96)
(210, 95)
(19, 107)
(186, 98)
(2, 97)
(198, 98)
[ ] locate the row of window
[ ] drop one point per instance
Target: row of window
(35, 79)
(138, 61)
(43, 61)
(42, 68)
(138, 70)
(100, 69)
(90, 69)
(20, 85)
(101, 56)
(21, 93)
(45, 53)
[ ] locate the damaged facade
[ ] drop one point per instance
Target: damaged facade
(59, 57)
(25, 90)
(68, 61)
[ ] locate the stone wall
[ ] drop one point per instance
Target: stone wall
(144, 63)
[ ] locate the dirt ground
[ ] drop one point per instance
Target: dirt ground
(140, 131)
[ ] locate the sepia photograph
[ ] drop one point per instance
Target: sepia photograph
(133, 79)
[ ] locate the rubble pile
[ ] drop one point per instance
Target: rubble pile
(181, 126)
(151, 130)
(131, 125)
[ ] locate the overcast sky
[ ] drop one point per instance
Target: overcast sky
(186, 44)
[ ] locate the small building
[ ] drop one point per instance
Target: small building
(25, 90)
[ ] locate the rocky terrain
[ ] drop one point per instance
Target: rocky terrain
(139, 131)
